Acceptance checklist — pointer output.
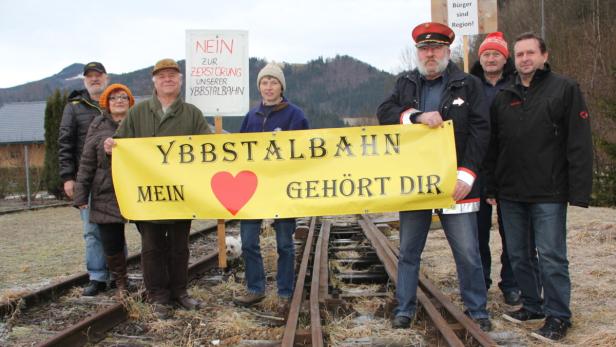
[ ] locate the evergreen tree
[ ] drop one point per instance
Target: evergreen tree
(53, 116)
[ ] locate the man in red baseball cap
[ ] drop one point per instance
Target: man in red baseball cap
(437, 90)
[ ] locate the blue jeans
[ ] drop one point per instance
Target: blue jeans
(549, 224)
(484, 225)
(251, 252)
(461, 232)
(96, 263)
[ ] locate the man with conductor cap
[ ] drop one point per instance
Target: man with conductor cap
(435, 91)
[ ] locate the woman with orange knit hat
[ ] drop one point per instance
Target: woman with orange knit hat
(94, 186)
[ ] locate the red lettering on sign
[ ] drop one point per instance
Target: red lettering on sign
(214, 46)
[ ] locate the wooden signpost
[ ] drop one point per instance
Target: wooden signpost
(217, 82)
(466, 17)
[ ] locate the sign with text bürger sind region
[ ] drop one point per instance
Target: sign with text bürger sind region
(286, 173)
(466, 17)
(217, 76)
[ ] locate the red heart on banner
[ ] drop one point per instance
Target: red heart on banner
(234, 192)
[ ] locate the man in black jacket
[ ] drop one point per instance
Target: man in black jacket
(495, 70)
(540, 158)
(79, 112)
(433, 92)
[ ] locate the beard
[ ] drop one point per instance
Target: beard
(96, 90)
(440, 67)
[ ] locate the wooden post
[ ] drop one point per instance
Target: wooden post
(465, 49)
(222, 247)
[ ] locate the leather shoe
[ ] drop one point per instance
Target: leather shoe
(248, 299)
(401, 322)
(512, 298)
(94, 287)
(188, 303)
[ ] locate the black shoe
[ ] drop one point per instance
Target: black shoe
(484, 323)
(523, 315)
(512, 298)
(554, 329)
(401, 322)
(94, 287)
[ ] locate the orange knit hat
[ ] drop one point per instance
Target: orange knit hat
(104, 99)
(495, 41)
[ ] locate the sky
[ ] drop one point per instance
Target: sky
(40, 38)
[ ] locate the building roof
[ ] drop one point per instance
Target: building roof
(22, 122)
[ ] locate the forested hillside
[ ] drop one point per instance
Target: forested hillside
(326, 89)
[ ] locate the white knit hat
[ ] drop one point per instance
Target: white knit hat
(273, 70)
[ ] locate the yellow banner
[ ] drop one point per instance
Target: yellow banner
(286, 174)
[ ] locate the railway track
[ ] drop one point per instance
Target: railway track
(377, 260)
(346, 276)
(33, 208)
(61, 308)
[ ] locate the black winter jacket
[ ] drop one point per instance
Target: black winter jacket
(541, 146)
(78, 114)
(462, 102)
(94, 175)
(509, 74)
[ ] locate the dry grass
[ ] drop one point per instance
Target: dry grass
(42, 247)
(592, 266)
(350, 327)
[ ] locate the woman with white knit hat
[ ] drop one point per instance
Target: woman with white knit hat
(274, 113)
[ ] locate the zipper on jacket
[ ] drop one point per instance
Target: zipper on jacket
(264, 121)
(92, 105)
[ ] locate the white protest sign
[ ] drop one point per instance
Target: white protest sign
(463, 16)
(217, 78)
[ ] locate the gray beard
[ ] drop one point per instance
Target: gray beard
(441, 66)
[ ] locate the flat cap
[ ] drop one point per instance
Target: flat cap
(165, 64)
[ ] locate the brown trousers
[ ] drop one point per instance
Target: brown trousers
(164, 259)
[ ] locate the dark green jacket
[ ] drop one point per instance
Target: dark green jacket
(146, 119)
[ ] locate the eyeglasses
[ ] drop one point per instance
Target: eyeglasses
(118, 98)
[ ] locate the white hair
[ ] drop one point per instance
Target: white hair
(179, 74)
(441, 64)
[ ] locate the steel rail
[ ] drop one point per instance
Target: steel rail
(390, 261)
(324, 273)
(34, 208)
(52, 291)
(316, 330)
(94, 328)
(290, 330)
(428, 287)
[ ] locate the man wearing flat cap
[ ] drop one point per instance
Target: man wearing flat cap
(164, 244)
(81, 109)
(435, 91)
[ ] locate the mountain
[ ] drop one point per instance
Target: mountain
(326, 89)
